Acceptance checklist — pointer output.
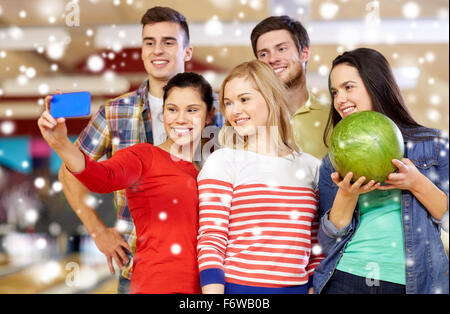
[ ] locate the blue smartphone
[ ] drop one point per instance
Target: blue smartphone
(70, 105)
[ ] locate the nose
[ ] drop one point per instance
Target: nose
(158, 48)
(181, 117)
(236, 108)
(341, 97)
(273, 58)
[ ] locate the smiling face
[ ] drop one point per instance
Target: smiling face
(277, 48)
(163, 51)
(348, 91)
(245, 107)
(184, 116)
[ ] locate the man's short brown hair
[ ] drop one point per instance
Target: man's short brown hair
(165, 14)
(295, 28)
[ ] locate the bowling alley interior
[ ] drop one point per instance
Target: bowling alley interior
(95, 46)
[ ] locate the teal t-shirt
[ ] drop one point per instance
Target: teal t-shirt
(376, 250)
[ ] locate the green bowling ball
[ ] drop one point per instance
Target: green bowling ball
(365, 143)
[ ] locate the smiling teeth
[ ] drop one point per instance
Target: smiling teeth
(182, 132)
(279, 70)
(240, 121)
(348, 109)
(159, 62)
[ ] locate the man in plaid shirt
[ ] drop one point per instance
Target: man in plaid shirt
(132, 118)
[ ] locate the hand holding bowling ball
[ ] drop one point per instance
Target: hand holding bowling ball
(365, 143)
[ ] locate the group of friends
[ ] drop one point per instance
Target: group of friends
(262, 210)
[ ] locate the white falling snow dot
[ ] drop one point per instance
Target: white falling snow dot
(429, 56)
(256, 231)
(316, 249)
(23, 14)
(328, 10)
(7, 127)
(55, 50)
(411, 10)
(41, 243)
(433, 115)
(175, 249)
(90, 201)
(323, 70)
(31, 216)
(25, 164)
(409, 262)
(95, 63)
(57, 186)
(43, 89)
(39, 182)
(294, 215)
(256, 4)
(162, 216)
(30, 72)
(300, 174)
(435, 99)
(116, 141)
(213, 27)
(22, 80)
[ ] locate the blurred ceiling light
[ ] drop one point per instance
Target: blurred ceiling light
(28, 38)
(12, 88)
(213, 27)
(411, 10)
(328, 10)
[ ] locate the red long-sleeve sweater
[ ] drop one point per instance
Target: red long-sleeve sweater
(163, 201)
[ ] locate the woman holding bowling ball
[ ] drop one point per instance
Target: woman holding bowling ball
(258, 194)
(382, 238)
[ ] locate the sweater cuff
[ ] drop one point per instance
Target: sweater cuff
(212, 275)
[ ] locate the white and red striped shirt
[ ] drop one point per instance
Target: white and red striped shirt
(258, 219)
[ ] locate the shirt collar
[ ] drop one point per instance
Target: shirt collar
(311, 104)
(143, 94)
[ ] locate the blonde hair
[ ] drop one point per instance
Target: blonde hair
(275, 95)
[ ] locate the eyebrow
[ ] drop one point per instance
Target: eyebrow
(164, 38)
(277, 45)
(344, 83)
(190, 105)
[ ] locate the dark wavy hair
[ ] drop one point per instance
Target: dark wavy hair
(193, 80)
(379, 80)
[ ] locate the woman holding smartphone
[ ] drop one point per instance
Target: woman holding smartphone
(160, 183)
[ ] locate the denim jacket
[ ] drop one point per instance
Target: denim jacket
(427, 263)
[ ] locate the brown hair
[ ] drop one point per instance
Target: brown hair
(165, 14)
(295, 28)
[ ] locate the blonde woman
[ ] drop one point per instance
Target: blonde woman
(258, 194)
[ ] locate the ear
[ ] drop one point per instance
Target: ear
(305, 54)
(210, 116)
(188, 54)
